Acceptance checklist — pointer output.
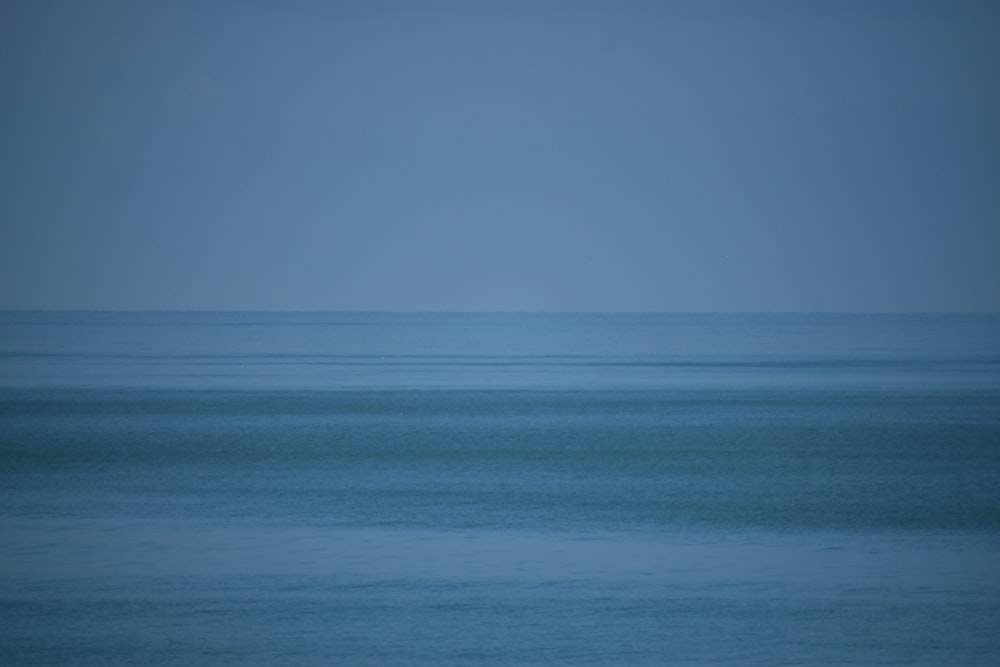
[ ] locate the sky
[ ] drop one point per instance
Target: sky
(477, 155)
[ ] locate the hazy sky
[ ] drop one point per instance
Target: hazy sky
(477, 155)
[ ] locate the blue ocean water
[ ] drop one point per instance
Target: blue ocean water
(499, 489)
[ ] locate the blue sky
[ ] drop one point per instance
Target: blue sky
(475, 155)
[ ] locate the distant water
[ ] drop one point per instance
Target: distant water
(499, 489)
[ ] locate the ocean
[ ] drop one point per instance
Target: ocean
(499, 489)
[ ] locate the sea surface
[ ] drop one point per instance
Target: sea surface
(499, 489)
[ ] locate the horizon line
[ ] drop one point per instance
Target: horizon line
(495, 312)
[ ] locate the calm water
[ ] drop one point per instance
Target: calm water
(415, 489)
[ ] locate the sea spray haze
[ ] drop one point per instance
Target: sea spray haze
(494, 489)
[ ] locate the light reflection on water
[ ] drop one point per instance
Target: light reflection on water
(508, 350)
(928, 561)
